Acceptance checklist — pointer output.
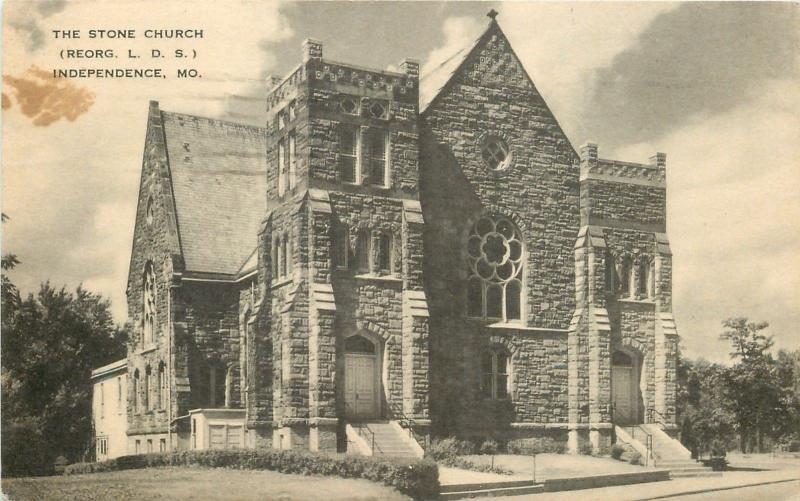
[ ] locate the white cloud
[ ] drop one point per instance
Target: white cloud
(734, 218)
(459, 34)
(561, 43)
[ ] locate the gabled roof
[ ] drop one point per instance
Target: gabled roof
(432, 82)
(218, 172)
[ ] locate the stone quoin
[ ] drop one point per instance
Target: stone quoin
(427, 251)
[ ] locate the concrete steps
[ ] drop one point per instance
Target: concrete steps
(388, 442)
(670, 454)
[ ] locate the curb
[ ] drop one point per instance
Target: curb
(714, 489)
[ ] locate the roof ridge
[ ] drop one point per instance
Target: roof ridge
(217, 120)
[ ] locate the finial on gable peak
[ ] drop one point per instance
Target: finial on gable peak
(492, 14)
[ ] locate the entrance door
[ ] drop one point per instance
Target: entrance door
(360, 379)
(623, 389)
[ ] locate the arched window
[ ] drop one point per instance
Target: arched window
(287, 254)
(340, 246)
(359, 344)
(150, 211)
(496, 257)
(495, 369)
(624, 272)
(149, 304)
(385, 253)
(363, 249)
(162, 386)
(137, 398)
(217, 380)
(275, 257)
(612, 280)
(148, 381)
(643, 287)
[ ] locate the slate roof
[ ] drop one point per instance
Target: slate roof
(219, 181)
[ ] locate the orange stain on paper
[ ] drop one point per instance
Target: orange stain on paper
(46, 99)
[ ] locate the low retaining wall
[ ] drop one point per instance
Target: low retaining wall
(574, 483)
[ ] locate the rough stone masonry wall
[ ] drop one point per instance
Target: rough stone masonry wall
(155, 242)
(491, 95)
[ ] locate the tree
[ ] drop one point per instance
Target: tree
(754, 389)
(50, 343)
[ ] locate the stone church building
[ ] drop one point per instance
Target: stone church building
(431, 255)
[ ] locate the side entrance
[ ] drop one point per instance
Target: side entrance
(361, 379)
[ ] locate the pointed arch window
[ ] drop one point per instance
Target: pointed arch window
(148, 381)
(495, 253)
(137, 398)
(149, 304)
(625, 271)
(340, 246)
(643, 285)
(363, 250)
(162, 386)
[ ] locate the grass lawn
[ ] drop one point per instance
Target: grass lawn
(557, 465)
(181, 483)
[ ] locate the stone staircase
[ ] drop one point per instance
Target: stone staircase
(382, 438)
(667, 453)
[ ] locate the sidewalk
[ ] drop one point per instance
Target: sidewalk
(682, 486)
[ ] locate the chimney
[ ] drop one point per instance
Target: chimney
(312, 50)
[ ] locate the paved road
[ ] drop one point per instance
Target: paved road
(786, 491)
(732, 486)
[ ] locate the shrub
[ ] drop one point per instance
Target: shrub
(530, 446)
(616, 451)
(489, 446)
(416, 478)
(636, 458)
(586, 449)
(448, 451)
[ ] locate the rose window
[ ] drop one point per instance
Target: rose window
(495, 255)
(494, 152)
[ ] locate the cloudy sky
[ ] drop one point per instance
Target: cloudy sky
(714, 85)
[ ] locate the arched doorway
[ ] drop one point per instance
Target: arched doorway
(361, 378)
(625, 388)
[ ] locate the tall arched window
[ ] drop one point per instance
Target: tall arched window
(148, 381)
(162, 386)
(287, 254)
(149, 304)
(340, 246)
(495, 370)
(137, 398)
(612, 281)
(624, 272)
(363, 250)
(385, 253)
(243, 366)
(643, 285)
(496, 259)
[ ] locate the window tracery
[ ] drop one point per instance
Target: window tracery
(495, 253)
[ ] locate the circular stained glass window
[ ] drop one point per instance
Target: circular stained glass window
(495, 153)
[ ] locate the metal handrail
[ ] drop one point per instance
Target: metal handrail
(364, 432)
(406, 422)
(648, 441)
(653, 414)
